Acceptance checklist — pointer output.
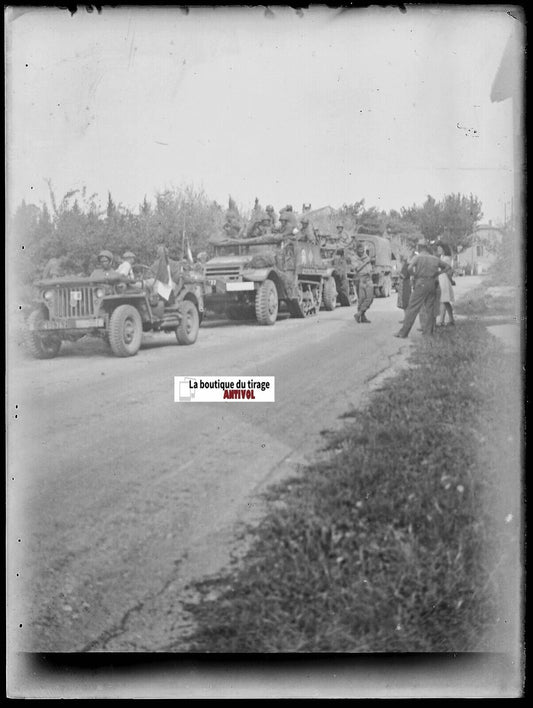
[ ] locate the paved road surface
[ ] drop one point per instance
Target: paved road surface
(119, 497)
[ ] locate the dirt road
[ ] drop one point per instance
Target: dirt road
(118, 497)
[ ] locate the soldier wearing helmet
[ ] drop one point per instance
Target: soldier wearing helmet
(259, 226)
(289, 223)
(105, 265)
(126, 267)
(272, 217)
(363, 281)
(307, 230)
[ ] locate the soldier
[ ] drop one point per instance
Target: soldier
(105, 265)
(425, 270)
(307, 231)
(126, 267)
(259, 226)
(289, 224)
(363, 282)
(272, 217)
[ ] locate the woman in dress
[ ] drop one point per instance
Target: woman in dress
(404, 283)
(446, 286)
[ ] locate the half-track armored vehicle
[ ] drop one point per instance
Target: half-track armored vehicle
(68, 308)
(255, 276)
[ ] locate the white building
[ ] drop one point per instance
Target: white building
(478, 257)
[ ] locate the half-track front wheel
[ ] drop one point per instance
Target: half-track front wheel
(41, 344)
(329, 295)
(266, 303)
(187, 330)
(125, 331)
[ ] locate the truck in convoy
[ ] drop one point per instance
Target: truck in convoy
(380, 252)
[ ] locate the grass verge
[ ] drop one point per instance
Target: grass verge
(406, 538)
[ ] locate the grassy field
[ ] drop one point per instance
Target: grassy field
(406, 536)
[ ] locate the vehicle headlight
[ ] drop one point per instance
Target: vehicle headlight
(99, 292)
(48, 294)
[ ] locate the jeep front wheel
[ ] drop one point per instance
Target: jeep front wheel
(266, 303)
(125, 331)
(187, 330)
(41, 344)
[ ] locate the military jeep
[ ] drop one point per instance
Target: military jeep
(69, 308)
(253, 277)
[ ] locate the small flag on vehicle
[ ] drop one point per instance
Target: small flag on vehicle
(163, 283)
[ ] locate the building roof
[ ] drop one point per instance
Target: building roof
(507, 80)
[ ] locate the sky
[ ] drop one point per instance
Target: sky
(324, 106)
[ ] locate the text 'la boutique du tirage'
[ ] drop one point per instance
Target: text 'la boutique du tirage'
(213, 389)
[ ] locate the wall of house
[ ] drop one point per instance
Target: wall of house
(478, 256)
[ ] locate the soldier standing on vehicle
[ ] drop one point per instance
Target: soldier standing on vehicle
(126, 267)
(272, 218)
(363, 282)
(306, 230)
(289, 224)
(259, 226)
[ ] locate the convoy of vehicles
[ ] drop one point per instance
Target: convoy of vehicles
(256, 276)
(247, 278)
(67, 309)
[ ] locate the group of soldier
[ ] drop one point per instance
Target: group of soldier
(266, 222)
(289, 225)
(262, 223)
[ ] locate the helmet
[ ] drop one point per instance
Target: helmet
(128, 254)
(105, 254)
(304, 220)
(283, 216)
(270, 208)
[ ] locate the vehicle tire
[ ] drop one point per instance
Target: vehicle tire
(41, 346)
(125, 331)
(187, 330)
(329, 295)
(266, 303)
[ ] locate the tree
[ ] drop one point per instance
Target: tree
(451, 220)
(459, 215)
(427, 218)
